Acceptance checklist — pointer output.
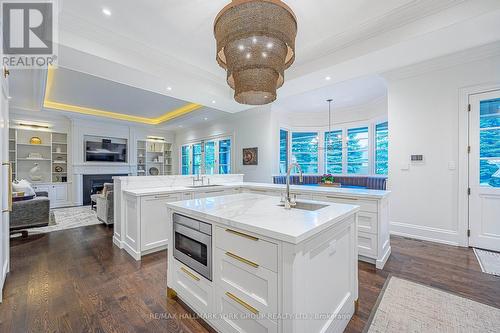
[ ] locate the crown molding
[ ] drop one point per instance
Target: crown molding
(443, 62)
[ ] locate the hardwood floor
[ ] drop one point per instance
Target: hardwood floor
(77, 281)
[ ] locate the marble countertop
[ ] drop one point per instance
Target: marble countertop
(345, 192)
(261, 214)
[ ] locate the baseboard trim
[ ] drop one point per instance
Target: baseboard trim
(435, 235)
(117, 242)
(380, 263)
(136, 255)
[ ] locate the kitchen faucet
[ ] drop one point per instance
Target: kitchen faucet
(289, 203)
(197, 179)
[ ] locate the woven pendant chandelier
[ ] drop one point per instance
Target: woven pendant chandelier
(255, 44)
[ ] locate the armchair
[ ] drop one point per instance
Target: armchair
(104, 203)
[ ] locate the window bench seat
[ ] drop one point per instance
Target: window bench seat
(369, 182)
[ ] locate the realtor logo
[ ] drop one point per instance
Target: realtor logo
(28, 34)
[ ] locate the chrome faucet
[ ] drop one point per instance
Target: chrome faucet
(197, 179)
(289, 203)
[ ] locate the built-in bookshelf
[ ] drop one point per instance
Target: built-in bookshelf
(42, 151)
(154, 157)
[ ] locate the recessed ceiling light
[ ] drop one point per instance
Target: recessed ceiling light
(180, 126)
(248, 55)
(328, 78)
(241, 47)
(213, 102)
(269, 45)
(254, 40)
(264, 55)
(169, 88)
(106, 11)
(205, 118)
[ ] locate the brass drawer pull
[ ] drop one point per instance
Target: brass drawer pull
(243, 260)
(237, 233)
(242, 303)
(191, 275)
(258, 190)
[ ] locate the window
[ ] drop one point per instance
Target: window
(185, 160)
(225, 156)
(283, 151)
(333, 152)
(209, 157)
(357, 150)
(196, 158)
(381, 148)
(206, 157)
(305, 150)
(489, 143)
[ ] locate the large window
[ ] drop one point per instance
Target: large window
(225, 156)
(283, 151)
(489, 143)
(208, 157)
(305, 150)
(357, 150)
(333, 152)
(381, 148)
(185, 160)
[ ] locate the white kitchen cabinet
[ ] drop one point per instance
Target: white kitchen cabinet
(373, 231)
(154, 226)
(263, 191)
(58, 193)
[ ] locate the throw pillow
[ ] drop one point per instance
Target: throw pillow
(23, 186)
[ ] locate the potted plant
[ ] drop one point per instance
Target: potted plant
(329, 180)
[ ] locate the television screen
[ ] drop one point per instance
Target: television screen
(99, 149)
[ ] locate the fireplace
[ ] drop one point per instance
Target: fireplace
(93, 184)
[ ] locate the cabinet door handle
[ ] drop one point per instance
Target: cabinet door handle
(237, 233)
(258, 190)
(162, 196)
(242, 303)
(191, 275)
(243, 260)
(219, 191)
(331, 197)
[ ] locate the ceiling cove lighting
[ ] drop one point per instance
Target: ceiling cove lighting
(170, 115)
(255, 44)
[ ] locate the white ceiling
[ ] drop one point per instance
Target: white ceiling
(155, 44)
(170, 42)
(344, 94)
(76, 88)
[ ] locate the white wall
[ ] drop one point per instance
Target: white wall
(424, 119)
(252, 128)
(340, 117)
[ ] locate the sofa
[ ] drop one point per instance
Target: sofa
(30, 213)
(369, 182)
(104, 204)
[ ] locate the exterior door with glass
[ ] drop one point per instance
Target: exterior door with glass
(484, 170)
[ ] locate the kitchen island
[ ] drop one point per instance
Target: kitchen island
(246, 264)
(140, 204)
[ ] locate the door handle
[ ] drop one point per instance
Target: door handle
(9, 208)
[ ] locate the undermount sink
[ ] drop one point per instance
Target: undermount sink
(306, 206)
(202, 186)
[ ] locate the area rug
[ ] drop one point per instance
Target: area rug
(405, 306)
(68, 218)
(489, 261)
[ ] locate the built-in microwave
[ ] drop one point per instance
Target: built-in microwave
(193, 244)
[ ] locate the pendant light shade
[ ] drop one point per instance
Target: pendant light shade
(255, 44)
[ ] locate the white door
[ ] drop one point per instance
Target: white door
(484, 170)
(5, 183)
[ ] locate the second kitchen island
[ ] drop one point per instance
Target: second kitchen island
(245, 264)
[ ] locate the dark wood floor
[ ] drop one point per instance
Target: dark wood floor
(76, 281)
